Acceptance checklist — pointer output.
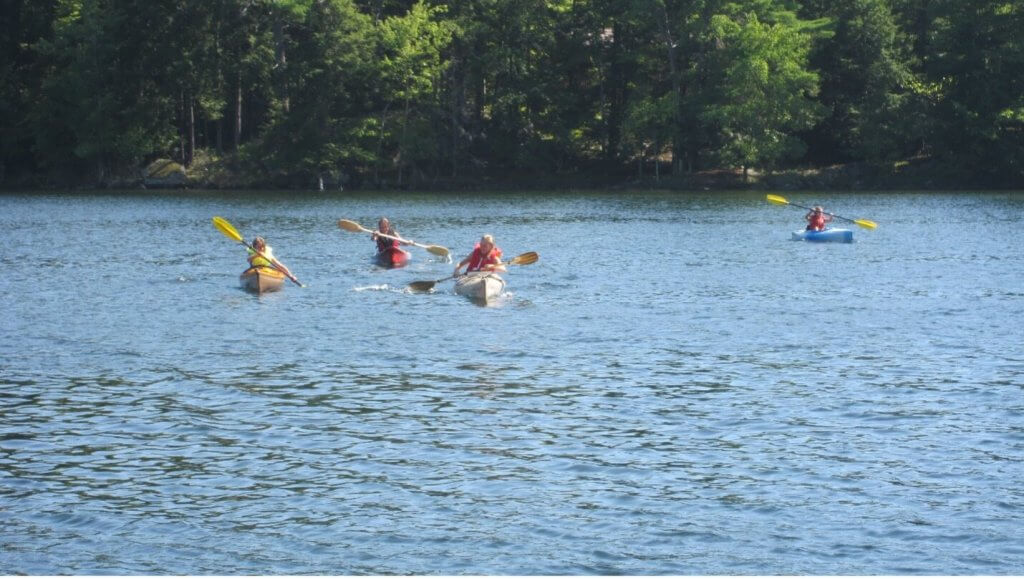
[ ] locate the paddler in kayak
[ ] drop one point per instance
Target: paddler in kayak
(817, 219)
(383, 243)
(389, 251)
(267, 259)
(485, 257)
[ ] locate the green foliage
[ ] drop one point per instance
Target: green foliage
(762, 90)
(100, 106)
(403, 89)
(865, 84)
(330, 49)
(976, 55)
(410, 70)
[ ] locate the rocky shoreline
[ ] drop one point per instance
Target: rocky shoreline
(919, 174)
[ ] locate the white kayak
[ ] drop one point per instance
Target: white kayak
(836, 235)
(482, 286)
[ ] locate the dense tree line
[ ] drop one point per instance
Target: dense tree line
(403, 91)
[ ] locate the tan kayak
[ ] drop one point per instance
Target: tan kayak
(481, 286)
(261, 279)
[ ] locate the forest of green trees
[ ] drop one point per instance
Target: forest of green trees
(406, 92)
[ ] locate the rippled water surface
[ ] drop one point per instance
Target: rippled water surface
(674, 388)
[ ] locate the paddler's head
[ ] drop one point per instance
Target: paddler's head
(383, 225)
(259, 244)
(486, 243)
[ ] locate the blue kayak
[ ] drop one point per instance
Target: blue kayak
(832, 235)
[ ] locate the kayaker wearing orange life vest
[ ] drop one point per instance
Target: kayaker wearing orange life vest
(267, 259)
(817, 218)
(485, 257)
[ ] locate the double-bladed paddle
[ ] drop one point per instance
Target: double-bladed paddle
(523, 259)
(231, 233)
(356, 228)
(865, 223)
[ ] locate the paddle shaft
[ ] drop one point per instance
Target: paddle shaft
(523, 259)
(272, 264)
(826, 213)
(435, 249)
(229, 231)
(394, 237)
(426, 285)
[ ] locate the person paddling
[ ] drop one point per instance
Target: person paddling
(267, 258)
(486, 256)
(383, 243)
(817, 218)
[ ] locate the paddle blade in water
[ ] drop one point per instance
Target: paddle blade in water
(422, 286)
(227, 229)
(777, 200)
(350, 225)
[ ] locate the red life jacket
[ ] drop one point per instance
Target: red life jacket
(384, 244)
(816, 222)
(478, 260)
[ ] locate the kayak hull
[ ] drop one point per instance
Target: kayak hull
(391, 258)
(836, 235)
(480, 286)
(261, 280)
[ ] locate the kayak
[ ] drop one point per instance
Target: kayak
(481, 286)
(834, 235)
(392, 257)
(261, 279)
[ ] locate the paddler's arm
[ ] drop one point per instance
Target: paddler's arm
(282, 267)
(495, 266)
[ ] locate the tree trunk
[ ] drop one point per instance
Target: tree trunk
(401, 144)
(181, 126)
(380, 145)
(616, 94)
(190, 130)
(677, 90)
(282, 63)
(238, 113)
(457, 97)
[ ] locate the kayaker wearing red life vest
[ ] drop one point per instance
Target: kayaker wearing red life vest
(485, 257)
(384, 243)
(817, 218)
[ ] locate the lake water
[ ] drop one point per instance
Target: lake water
(674, 388)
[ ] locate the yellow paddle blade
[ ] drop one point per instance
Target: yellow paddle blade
(351, 226)
(524, 259)
(866, 223)
(777, 200)
(227, 229)
(438, 250)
